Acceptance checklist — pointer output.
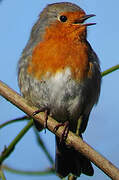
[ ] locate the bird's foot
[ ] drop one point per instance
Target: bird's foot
(65, 131)
(46, 114)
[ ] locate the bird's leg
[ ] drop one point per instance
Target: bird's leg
(65, 131)
(79, 125)
(46, 113)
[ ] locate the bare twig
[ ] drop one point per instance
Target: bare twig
(23, 172)
(2, 176)
(42, 145)
(8, 150)
(13, 121)
(110, 70)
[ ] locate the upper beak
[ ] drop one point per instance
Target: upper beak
(83, 19)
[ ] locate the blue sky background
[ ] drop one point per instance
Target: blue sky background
(16, 20)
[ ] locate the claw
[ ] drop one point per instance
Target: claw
(47, 112)
(65, 131)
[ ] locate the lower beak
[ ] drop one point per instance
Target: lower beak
(83, 19)
(88, 24)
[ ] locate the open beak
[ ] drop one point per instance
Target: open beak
(83, 19)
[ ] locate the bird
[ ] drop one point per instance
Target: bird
(59, 73)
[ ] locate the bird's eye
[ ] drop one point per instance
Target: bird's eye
(63, 18)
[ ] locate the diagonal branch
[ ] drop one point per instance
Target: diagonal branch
(72, 140)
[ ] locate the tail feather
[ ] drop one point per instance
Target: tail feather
(68, 160)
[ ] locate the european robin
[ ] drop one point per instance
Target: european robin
(59, 72)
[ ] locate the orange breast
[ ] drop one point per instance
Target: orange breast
(53, 55)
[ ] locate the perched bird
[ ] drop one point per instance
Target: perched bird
(59, 73)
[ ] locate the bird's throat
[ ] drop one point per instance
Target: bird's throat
(56, 55)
